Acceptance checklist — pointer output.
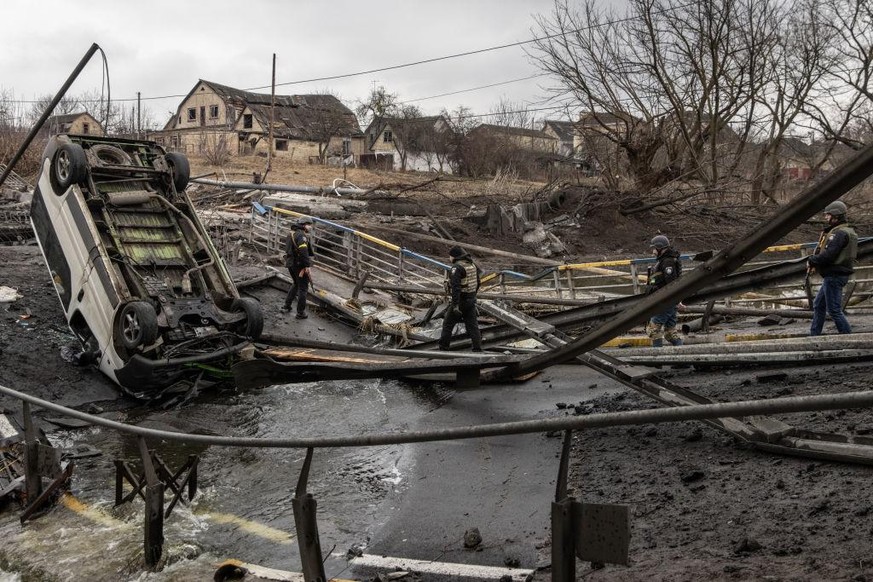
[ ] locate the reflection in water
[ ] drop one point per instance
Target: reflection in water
(243, 506)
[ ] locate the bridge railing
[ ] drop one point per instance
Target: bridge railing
(350, 253)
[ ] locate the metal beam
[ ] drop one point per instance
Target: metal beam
(806, 204)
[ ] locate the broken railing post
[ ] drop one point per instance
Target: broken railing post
(360, 285)
(32, 477)
(153, 542)
(707, 313)
(305, 506)
(563, 542)
(563, 535)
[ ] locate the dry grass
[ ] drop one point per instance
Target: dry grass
(421, 186)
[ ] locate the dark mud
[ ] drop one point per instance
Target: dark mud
(704, 505)
(707, 506)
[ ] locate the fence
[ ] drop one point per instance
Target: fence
(351, 253)
(565, 524)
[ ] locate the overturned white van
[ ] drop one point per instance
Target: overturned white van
(140, 282)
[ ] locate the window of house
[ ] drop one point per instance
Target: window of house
(347, 146)
(247, 121)
(192, 114)
(281, 145)
(387, 137)
(213, 112)
(86, 128)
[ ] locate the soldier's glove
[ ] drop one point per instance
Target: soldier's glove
(456, 311)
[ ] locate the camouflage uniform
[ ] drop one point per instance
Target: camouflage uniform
(667, 269)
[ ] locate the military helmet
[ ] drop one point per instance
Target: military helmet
(303, 221)
(836, 208)
(457, 252)
(660, 242)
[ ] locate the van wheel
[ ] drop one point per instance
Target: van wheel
(254, 323)
(69, 166)
(137, 325)
(180, 169)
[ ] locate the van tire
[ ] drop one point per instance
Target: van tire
(69, 166)
(254, 322)
(137, 325)
(180, 170)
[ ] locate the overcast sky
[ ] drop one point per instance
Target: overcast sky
(161, 48)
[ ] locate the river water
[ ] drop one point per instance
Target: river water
(243, 506)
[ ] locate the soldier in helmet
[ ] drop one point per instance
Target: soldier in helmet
(833, 259)
(462, 286)
(298, 259)
(667, 269)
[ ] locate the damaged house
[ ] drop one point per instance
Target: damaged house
(215, 118)
(82, 123)
(421, 144)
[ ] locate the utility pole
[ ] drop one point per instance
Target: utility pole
(138, 116)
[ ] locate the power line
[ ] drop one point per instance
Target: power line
(474, 88)
(410, 64)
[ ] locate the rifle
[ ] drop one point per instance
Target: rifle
(807, 285)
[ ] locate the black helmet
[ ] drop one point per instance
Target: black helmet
(303, 221)
(457, 252)
(660, 242)
(836, 208)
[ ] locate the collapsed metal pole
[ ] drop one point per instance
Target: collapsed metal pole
(283, 188)
(32, 477)
(153, 540)
(563, 534)
(806, 204)
(48, 111)
(305, 506)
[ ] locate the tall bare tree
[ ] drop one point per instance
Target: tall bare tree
(692, 91)
(841, 110)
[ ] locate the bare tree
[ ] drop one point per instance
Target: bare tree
(68, 104)
(379, 103)
(510, 114)
(699, 91)
(328, 123)
(842, 105)
(456, 147)
(408, 131)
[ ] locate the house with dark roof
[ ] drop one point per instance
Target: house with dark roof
(421, 144)
(304, 127)
(79, 123)
(564, 132)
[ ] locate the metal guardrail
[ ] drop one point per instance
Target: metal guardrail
(304, 504)
(351, 253)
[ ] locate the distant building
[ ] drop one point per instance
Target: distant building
(530, 140)
(564, 132)
(421, 144)
(305, 127)
(79, 123)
